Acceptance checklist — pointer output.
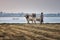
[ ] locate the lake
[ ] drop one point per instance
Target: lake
(51, 19)
(23, 20)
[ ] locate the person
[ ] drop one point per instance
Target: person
(41, 17)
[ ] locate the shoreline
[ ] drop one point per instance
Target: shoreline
(29, 23)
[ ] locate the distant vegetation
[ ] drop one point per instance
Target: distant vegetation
(52, 15)
(23, 14)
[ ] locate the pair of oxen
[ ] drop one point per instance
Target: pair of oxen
(33, 18)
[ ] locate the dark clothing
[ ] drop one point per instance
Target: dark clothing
(33, 15)
(41, 17)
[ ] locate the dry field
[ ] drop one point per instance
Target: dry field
(29, 31)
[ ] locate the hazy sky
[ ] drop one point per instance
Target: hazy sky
(30, 6)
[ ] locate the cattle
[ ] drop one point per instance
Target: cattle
(33, 18)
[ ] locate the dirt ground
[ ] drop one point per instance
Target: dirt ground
(29, 31)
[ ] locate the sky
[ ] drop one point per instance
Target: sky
(29, 6)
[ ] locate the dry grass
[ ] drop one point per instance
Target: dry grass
(29, 31)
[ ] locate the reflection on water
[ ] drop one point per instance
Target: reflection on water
(23, 20)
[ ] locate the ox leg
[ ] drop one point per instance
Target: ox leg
(40, 21)
(28, 21)
(35, 21)
(32, 21)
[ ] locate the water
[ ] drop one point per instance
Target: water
(51, 19)
(23, 20)
(13, 20)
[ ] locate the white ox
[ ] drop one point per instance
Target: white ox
(33, 19)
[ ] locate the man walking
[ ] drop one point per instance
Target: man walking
(41, 17)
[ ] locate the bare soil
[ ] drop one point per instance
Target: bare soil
(29, 31)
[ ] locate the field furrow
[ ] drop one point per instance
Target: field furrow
(30, 31)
